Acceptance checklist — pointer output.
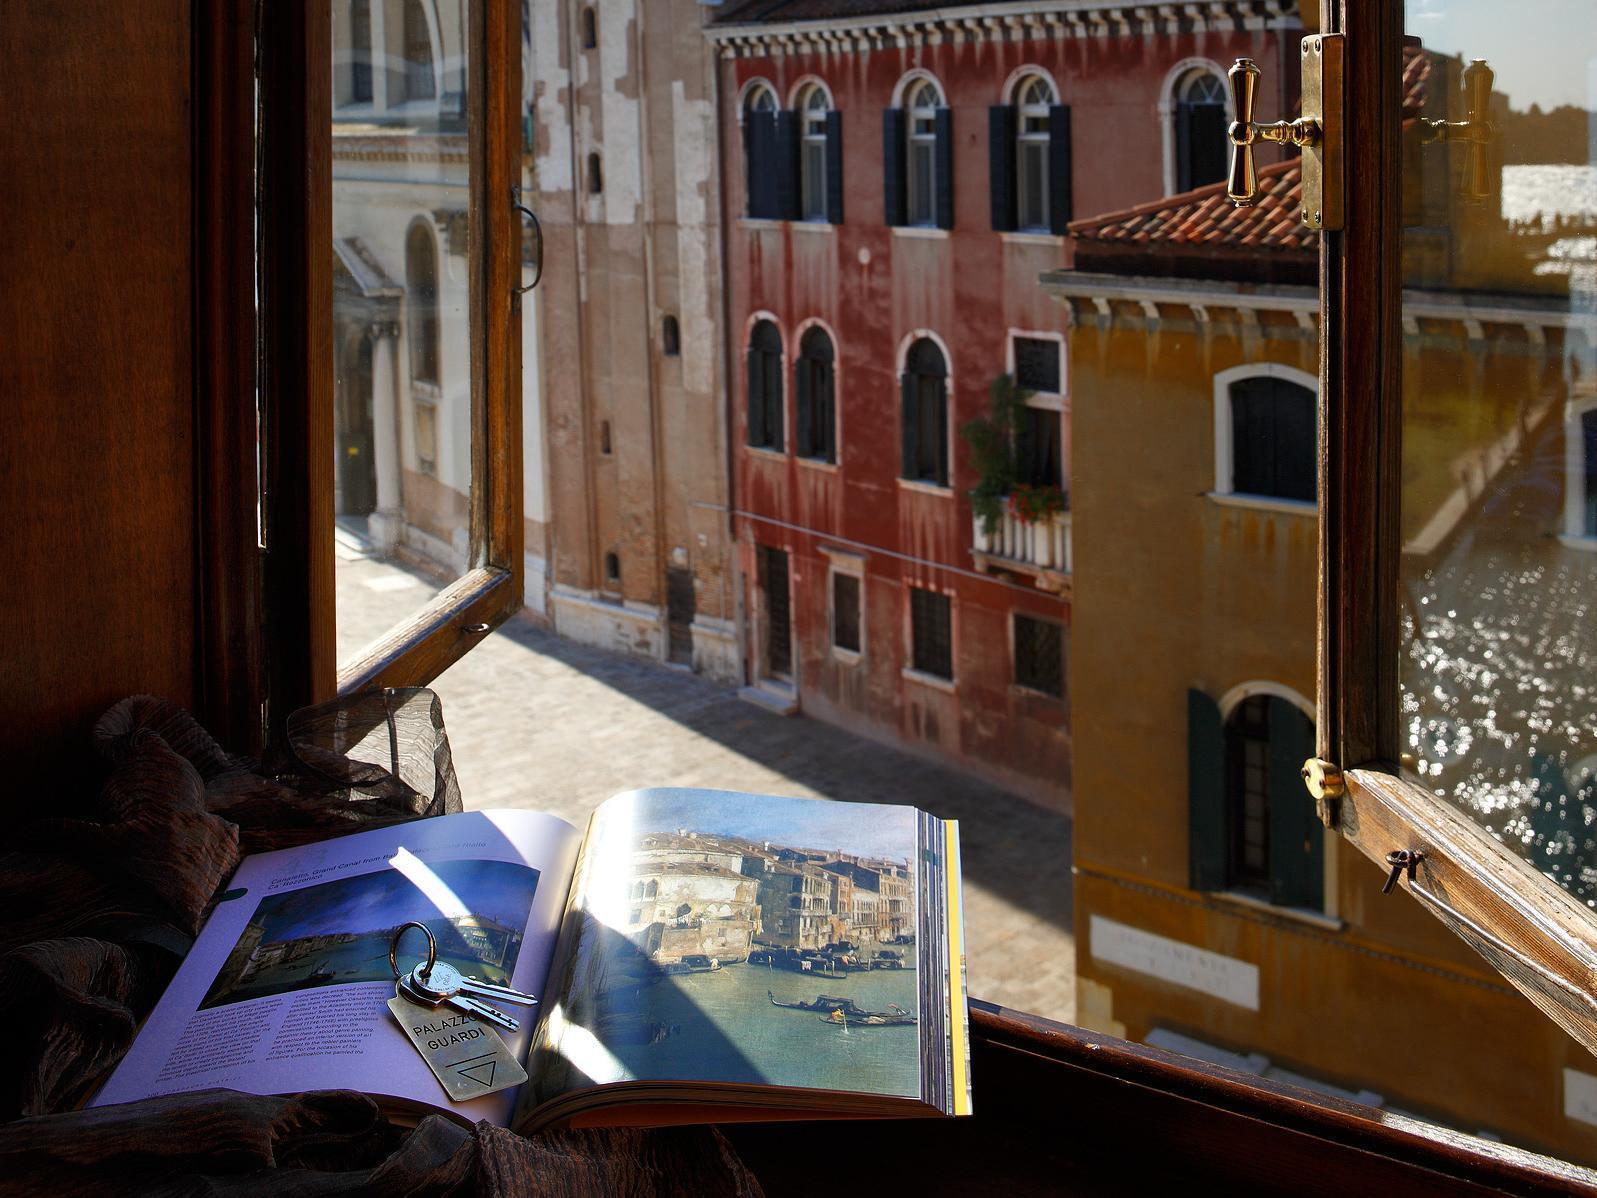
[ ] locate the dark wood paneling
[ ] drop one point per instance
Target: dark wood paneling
(97, 490)
(1060, 1110)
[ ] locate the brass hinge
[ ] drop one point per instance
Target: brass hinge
(1317, 133)
(1326, 784)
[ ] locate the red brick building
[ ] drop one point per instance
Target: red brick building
(894, 184)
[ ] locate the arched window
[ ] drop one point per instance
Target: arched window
(590, 28)
(1201, 148)
(418, 54)
(928, 176)
(765, 387)
(360, 52)
(813, 107)
(421, 297)
(670, 337)
(759, 152)
(814, 388)
(651, 889)
(1033, 98)
(923, 420)
(1251, 829)
(1272, 438)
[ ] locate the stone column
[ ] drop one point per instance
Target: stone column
(388, 520)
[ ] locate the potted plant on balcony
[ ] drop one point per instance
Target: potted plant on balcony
(1037, 507)
(992, 440)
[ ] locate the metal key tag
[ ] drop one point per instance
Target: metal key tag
(466, 1055)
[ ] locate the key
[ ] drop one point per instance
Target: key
(430, 997)
(446, 979)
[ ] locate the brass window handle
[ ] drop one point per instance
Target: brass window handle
(1475, 131)
(1318, 132)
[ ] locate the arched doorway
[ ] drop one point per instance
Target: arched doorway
(355, 430)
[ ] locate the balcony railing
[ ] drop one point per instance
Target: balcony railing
(1039, 548)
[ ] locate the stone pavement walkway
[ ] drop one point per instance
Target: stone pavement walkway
(540, 722)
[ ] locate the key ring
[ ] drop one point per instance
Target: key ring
(393, 948)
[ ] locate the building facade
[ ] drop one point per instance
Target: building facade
(623, 124)
(1214, 913)
(894, 183)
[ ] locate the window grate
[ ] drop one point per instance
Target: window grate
(1040, 655)
(1037, 364)
(932, 633)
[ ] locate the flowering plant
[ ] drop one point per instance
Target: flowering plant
(1033, 505)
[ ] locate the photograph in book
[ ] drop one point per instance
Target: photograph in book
(743, 939)
(337, 932)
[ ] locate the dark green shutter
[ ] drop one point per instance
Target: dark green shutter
(1206, 808)
(756, 375)
(943, 126)
(1297, 838)
(893, 166)
(1001, 165)
(804, 396)
(908, 425)
(834, 167)
(787, 167)
(1060, 206)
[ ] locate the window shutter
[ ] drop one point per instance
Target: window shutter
(1183, 147)
(1297, 839)
(944, 129)
(1207, 152)
(756, 374)
(804, 394)
(823, 392)
(908, 424)
(1060, 206)
(762, 166)
(1206, 815)
(1001, 165)
(942, 432)
(834, 167)
(893, 166)
(787, 167)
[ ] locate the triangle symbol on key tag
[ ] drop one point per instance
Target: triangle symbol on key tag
(474, 1072)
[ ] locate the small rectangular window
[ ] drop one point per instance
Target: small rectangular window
(1040, 655)
(1037, 364)
(846, 612)
(931, 632)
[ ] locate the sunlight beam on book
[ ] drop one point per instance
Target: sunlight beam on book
(435, 889)
(582, 1048)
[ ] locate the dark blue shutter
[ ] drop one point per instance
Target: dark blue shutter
(908, 425)
(1060, 205)
(893, 166)
(1001, 165)
(1184, 147)
(1206, 813)
(762, 165)
(787, 167)
(834, 167)
(943, 126)
(1297, 838)
(756, 373)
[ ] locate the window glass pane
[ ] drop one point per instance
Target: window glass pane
(404, 350)
(1040, 655)
(814, 179)
(920, 182)
(1499, 564)
(1033, 167)
(846, 612)
(1037, 364)
(931, 629)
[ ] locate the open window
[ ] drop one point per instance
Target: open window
(918, 157)
(1029, 159)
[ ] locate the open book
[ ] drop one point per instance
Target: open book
(699, 956)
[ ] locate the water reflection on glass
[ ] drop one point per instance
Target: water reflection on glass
(402, 355)
(1499, 523)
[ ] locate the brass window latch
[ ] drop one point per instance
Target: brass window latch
(1318, 132)
(1328, 788)
(1475, 131)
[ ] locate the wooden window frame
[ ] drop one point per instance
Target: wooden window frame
(1492, 898)
(295, 206)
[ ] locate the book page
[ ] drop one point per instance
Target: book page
(286, 988)
(750, 940)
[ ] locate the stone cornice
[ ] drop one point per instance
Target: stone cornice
(1006, 22)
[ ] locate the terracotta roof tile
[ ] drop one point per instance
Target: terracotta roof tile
(1206, 217)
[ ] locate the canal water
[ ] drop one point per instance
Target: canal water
(721, 1026)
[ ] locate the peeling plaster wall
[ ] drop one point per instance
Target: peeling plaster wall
(619, 260)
